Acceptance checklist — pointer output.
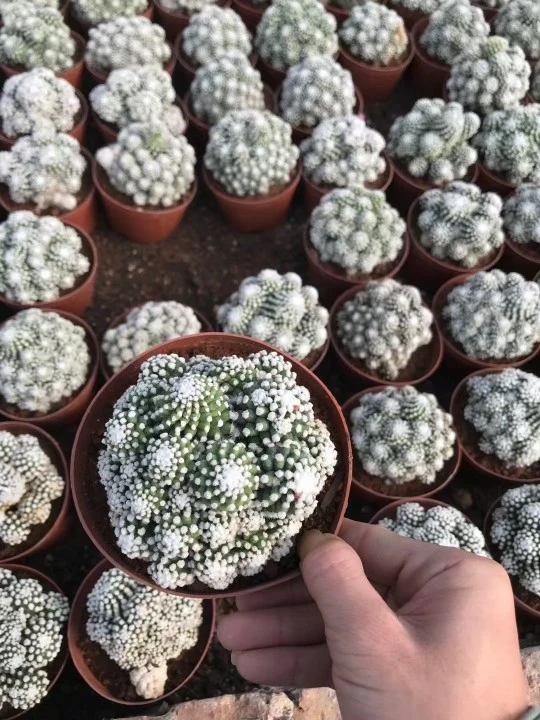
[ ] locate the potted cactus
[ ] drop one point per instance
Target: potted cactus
(521, 215)
(420, 454)
(131, 656)
(414, 10)
(375, 48)
(85, 14)
(146, 181)
(353, 235)
(383, 333)
(519, 22)
(251, 167)
(175, 15)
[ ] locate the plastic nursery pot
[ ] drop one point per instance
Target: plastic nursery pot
(428, 75)
(522, 258)
(89, 495)
(83, 28)
(410, 17)
(251, 14)
(389, 511)
(46, 534)
(173, 22)
(252, 214)
(490, 182)
(73, 409)
(424, 362)
(371, 489)
(271, 75)
(96, 77)
(103, 675)
(341, 14)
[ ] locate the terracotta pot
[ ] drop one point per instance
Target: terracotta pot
(428, 75)
(489, 12)
(96, 77)
(252, 214)
(56, 667)
(361, 487)
(251, 14)
(89, 495)
(89, 668)
(521, 258)
(489, 182)
(48, 533)
(139, 224)
(72, 411)
(410, 17)
(427, 358)
(341, 14)
(481, 463)
(271, 75)
(83, 28)
(174, 22)
(64, 8)
(389, 511)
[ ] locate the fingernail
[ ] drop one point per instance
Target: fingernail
(312, 539)
(234, 657)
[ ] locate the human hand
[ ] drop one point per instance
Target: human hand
(431, 635)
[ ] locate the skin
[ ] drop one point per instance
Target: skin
(401, 629)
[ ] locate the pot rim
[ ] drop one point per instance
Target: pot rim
(101, 77)
(253, 201)
(381, 69)
(202, 126)
(496, 179)
(389, 510)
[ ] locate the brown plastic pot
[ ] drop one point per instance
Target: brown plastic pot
(83, 28)
(410, 17)
(489, 182)
(253, 214)
(89, 495)
(428, 76)
(96, 77)
(139, 224)
(341, 14)
(72, 411)
(251, 14)
(389, 511)
(271, 75)
(173, 22)
(407, 492)
(489, 12)
(78, 639)
(521, 258)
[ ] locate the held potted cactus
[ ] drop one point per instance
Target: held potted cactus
(521, 215)
(146, 181)
(85, 14)
(175, 15)
(519, 22)
(251, 167)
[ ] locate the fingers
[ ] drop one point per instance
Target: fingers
(290, 593)
(299, 667)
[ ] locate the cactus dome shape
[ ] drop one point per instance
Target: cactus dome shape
(519, 22)
(357, 230)
(214, 32)
(374, 34)
(127, 620)
(432, 141)
(521, 215)
(504, 409)
(138, 94)
(32, 628)
(401, 435)
(383, 325)
(7, 4)
(44, 360)
(438, 525)
(45, 169)
(490, 76)
(509, 144)
(250, 152)
(226, 471)
(29, 483)
(277, 309)
(36, 100)
(145, 326)
(186, 7)
(292, 30)
(149, 164)
(460, 224)
(94, 12)
(35, 37)
(316, 89)
(125, 42)
(225, 84)
(495, 4)
(454, 27)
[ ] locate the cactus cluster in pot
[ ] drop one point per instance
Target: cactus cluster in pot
(375, 35)
(519, 22)
(214, 32)
(521, 215)
(456, 26)
(5, 5)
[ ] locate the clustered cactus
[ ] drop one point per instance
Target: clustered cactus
(491, 76)
(215, 32)
(94, 12)
(315, 89)
(29, 483)
(250, 152)
(375, 34)
(138, 94)
(519, 22)
(460, 224)
(149, 164)
(277, 309)
(145, 326)
(357, 230)
(495, 4)
(401, 435)
(32, 627)
(494, 315)
(432, 141)
(185, 7)
(454, 27)
(217, 478)
(7, 4)
(521, 215)
(141, 628)
(125, 42)
(426, 7)
(292, 30)
(504, 410)
(45, 169)
(44, 360)
(383, 325)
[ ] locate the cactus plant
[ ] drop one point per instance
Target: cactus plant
(127, 620)
(214, 32)
(456, 26)
(7, 4)
(401, 435)
(493, 4)
(250, 152)
(374, 34)
(426, 7)
(432, 141)
(185, 7)
(93, 12)
(45, 169)
(357, 230)
(224, 483)
(277, 309)
(460, 224)
(149, 164)
(32, 627)
(44, 360)
(519, 22)
(383, 325)
(521, 215)
(315, 89)
(145, 326)
(292, 30)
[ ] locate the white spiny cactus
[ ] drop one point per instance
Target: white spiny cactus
(519, 22)
(375, 34)
(214, 32)
(522, 215)
(456, 26)
(94, 12)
